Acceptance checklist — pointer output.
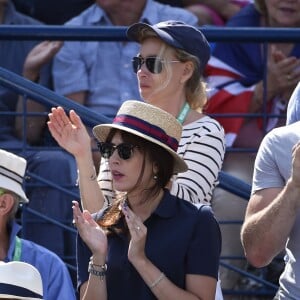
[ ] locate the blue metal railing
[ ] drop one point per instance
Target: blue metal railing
(117, 33)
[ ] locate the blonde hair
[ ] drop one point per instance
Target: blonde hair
(195, 87)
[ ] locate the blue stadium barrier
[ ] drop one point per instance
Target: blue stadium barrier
(117, 33)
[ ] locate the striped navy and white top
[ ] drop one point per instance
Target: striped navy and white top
(202, 146)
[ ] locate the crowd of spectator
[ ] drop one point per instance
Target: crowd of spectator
(241, 78)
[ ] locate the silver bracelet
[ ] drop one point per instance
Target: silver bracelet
(97, 270)
(157, 281)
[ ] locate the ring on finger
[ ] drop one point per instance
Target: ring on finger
(138, 228)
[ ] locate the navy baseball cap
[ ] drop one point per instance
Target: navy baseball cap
(178, 35)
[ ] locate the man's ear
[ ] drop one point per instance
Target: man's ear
(6, 203)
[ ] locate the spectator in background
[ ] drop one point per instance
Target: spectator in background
(175, 87)
(56, 279)
(20, 281)
(293, 111)
(210, 12)
(56, 166)
(235, 75)
(52, 12)
(272, 221)
(98, 74)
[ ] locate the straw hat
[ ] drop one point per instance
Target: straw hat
(20, 280)
(12, 170)
(149, 122)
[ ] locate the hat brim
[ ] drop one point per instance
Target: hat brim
(5, 296)
(134, 34)
(101, 132)
(11, 185)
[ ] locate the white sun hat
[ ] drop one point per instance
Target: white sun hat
(20, 280)
(12, 170)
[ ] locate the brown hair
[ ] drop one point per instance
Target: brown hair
(155, 154)
(261, 6)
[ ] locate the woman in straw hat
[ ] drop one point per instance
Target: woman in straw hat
(137, 248)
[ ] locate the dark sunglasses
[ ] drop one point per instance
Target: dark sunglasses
(125, 150)
(153, 63)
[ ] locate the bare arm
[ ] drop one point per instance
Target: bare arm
(96, 240)
(78, 97)
(36, 59)
(87, 167)
(270, 216)
(34, 124)
(71, 134)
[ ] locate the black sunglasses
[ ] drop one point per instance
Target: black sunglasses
(153, 63)
(125, 150)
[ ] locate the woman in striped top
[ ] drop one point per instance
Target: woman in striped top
(169, 68)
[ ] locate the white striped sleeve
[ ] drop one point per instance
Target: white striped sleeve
(202, 146)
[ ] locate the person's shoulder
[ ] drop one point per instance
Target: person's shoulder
(181, 204)
(22, 19)
(205, 216)
(185, 207)
(286, 130)
(247, 16)
(210, 124)
(41, 253)
(205, 125)
(205, 210)
(195, 213)
(202, 213)
(286, 135)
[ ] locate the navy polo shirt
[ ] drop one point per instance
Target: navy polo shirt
(181, 239)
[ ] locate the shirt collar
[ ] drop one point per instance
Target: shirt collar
(14, 228)
(148, 15)
(99, 17)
